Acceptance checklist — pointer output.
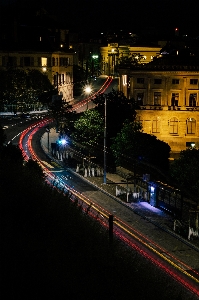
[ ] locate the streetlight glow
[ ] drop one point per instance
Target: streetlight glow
(87, 90)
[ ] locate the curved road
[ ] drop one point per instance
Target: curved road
(174, 257)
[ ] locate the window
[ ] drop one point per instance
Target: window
(55, 79)
(12, 61)
(191, 126)
(53, 62)
(140, 80)
(174, 99)
(62, 79)
(44, 61)
(175, 81)
(173, 126)
(192, 99)
(139, 119)
(157, 81)
(61, 61)
(27, 61)
(59, 76)
(193, 81)
(157, 98)
(156, 125)
(66, 61)
(140, 98)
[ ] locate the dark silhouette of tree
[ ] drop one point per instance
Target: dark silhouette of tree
(118, 109)
(32, 166)
(184, 171)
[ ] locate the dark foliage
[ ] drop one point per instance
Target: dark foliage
(184, 171)
(50, 249)
(118, 109)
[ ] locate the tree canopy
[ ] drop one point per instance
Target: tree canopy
(29, 86)
(133, 146)
(88, 130)
(133, 59)
(118, 109)
(184, 170)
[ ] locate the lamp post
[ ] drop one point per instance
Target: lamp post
(87, 91)
(48, 131)
(105, 140)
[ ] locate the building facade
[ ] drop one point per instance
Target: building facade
(167, 96)
(58, 66)
(113, 52)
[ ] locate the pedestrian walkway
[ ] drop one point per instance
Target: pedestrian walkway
(114, 182)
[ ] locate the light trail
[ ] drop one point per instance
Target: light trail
(122, 230)
(88, 99)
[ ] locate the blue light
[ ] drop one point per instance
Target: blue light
(63, 142)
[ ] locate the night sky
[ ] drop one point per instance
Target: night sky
(105, 15)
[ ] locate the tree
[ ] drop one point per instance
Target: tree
(34, 168)
(133, 146)
(88, 130)
(131, 60)
(24, 86)
(118, 109)
(184, 170)
(11, 154)
(39, 87)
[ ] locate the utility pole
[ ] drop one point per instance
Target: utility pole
(105, 140)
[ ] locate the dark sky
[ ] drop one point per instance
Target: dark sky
(123, 14)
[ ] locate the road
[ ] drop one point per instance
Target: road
(174, 257)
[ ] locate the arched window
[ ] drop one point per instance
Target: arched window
(173, 126)
(156, 125)
(191, 126)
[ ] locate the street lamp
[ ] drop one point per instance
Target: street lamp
(105, 140)
(48, 131)
(87, 91)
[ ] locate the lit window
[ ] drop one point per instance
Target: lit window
(191, 126)
(43, 61)
(173, 126)
(156, 125)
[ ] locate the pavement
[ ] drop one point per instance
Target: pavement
(115, 181)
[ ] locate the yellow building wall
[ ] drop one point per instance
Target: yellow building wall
(178, 82)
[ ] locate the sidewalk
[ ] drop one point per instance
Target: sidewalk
(114, 182)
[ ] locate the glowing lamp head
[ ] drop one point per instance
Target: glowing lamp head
(62, 142)
(87, 89)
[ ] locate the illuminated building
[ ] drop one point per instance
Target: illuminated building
(58, 66)
(167, 95)
(113, 52)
